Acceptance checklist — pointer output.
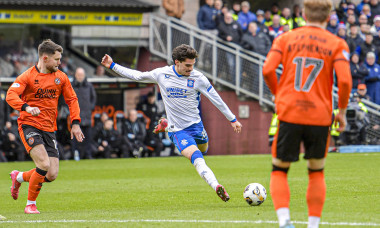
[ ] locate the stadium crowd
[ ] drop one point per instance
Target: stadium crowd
(358, 25)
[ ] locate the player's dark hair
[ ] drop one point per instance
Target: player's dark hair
(183, 52)
(48, 47)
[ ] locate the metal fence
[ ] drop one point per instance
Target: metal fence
(227, 64)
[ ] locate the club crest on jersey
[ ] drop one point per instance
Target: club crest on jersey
(57, 81)
(31, 141)
(190, 83)
(167, 76)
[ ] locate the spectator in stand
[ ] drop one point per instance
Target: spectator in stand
(150, 109)
(286, 18)
(135, 131)
(260, 22)
(12, 145)
(365, 47)
(359, 7)
(358, 71)
(4, 117)
(206, 17)
(376, 25)
(375, 7)
(268, 18)
(332, 25)
(220, 10)
(245, 16)
(351, 21)
(6, 66)
(362, 92)
(350, 12)
(364, 29)
(275, 29)
(255, 40)
(376, 42)
(229, 31)
(236, 7)
(285, 28)
(87, 100)
(367, 12)
(363, 19)
(341, 10)
(298, 20)
(342, 31)
(174, 8)
(275, 9)
(100, 72)
(373, 78)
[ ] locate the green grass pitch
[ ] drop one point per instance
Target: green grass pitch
(168, 192)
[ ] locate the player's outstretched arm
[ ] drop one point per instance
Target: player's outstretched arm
(236, 126)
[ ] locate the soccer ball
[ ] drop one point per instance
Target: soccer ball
(255, 194)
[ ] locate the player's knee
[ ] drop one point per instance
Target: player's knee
(277, 168)
(195, 155)
(45, 165)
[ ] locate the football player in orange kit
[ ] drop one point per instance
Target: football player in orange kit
(303, 98)
(40, 87)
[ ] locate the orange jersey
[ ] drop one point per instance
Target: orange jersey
(42, 90)
(309, 56)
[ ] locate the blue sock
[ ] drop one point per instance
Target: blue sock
(196, 154)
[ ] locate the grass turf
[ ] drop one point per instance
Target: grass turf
(91, 191)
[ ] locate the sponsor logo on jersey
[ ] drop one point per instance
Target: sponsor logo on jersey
(174, 92)
(15, 85)
(57, 81)
(46, 93)
(31, 141)
(190, 83)
(36, 82)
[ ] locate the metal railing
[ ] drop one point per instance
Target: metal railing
(226, 63)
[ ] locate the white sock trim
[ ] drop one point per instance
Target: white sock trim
(283, 215)
(313, 222)
(205, 172)
(30, 203)
(19, 177)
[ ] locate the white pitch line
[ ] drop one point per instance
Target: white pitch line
(188, 221)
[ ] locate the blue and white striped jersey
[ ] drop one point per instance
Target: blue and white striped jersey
(181, 94)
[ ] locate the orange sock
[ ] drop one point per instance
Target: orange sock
(316, 193)
(26, 175)
(279, 189)
(35, 184)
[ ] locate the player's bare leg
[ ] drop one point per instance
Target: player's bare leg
(280, 192)
(316, 191)
(42, 162)
(195, 156)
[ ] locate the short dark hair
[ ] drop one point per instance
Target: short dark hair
(48, 47)
(183, 52)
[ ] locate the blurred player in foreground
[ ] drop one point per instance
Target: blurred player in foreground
(181, 87)
(303, 98)
(40, 87)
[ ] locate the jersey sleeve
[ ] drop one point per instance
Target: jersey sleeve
(343, 74)
(271, 63)
(71, 100)
(14, 92)
(147, 77)
(205, 87)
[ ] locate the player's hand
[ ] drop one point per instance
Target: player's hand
(77, 132)
(107, 61)
(34, 111)
(236, 126)
(341, 119)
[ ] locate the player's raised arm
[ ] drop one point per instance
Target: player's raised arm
(146, 77)
(208, 90)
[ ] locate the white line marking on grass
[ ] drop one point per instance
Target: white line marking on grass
(188, 221)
